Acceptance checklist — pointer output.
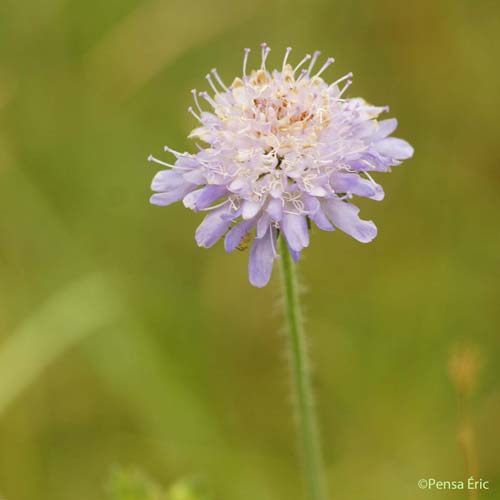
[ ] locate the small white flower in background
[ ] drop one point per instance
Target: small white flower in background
(282, 149)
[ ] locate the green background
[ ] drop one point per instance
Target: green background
(124, 344)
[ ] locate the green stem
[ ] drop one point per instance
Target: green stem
(301, 381)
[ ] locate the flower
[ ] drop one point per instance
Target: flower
(282, 149)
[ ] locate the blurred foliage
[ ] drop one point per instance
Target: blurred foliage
(188, 490)
(123, 343)
(133, 485)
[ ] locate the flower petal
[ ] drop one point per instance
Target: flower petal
(275, 209)
(167, 180)
(164, 199)
(250, 209)
(345, 217)
(385, 128)
(195, 176)
(204, 197)
(295, 255)
(311, 204)
(353, 183)
(260, 264)
(371, 161)
(212, 228)
(236, 234)
(321, 220)
(263, 225)
(394, 148)
(295, 230)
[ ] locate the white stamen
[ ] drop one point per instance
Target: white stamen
(329, 61)
(192, 111)
(234, 202)
(219, 79)
(302, 74)
(174, 152)
(306, 58)
(273, 243)
(159, 162)
(285, 59)
(298, 205)
(265, 53)
(370, 178)
(209, 79)
(196, 100)
(245, 60)
(313, 61)
(344, 88)
(215, 206)
(207, 98)
(345, 77)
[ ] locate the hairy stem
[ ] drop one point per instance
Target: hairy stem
(301, 381)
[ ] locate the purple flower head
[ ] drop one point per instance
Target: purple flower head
(283, 149)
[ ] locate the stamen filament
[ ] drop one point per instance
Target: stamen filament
(344, 88)
(306, 58)
(265, 52)
(245, 60)
(273, 242)
(151, 158)
(313, 61)
(195, 96)
(328, 62)
(219, 80)
(215, 206)
(302, 74)
(192, 111)
(176, 153)
(208, 98)
(285, 59)
(336, 82)
(214, 88)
